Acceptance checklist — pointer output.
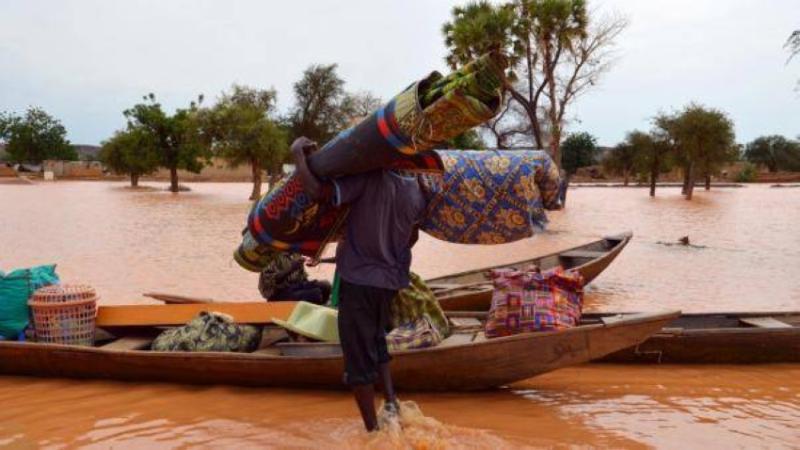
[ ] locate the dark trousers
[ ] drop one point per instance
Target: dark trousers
(364, 319)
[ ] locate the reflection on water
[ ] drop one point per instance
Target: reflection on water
(126, 243)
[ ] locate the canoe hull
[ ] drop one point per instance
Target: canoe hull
(483, 365)
(477, 297)
(717, 338)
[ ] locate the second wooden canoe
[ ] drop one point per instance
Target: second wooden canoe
(471, 290)
(718, 338)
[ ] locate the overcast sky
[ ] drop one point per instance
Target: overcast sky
(86, 61)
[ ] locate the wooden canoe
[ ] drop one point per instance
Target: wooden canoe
(718, 338)
(457, 364)
(471, 291)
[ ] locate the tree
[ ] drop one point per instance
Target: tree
(130, 152)
(510, 127)
(579, 151)
(178, 137)
(793, 45)
(359, 105)
(774, 152)
(320, 99)
(243, 131)
(653, 155)
(621, 160)
(34, 137)
(468, 140)
(703, 138)
(556, 51)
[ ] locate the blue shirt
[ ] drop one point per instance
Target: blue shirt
(384, 209)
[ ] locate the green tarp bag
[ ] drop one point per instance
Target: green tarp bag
(15, 289)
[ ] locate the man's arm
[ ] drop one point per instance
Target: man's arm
(301, 147)
(414, 236)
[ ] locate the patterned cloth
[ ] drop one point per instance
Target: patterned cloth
(418, 301)
(532, 301)
(490, 196)
(267, 282)
(420, 333)
(209, 332)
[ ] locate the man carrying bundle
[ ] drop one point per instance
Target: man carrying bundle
(373, 262)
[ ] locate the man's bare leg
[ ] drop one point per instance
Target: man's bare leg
(386, 384)
(365, 399)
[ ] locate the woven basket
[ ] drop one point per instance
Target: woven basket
(64, 314)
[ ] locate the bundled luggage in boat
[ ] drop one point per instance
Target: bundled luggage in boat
(531, 300)
(209, 332)
(16, 288)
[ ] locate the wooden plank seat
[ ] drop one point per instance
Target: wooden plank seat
(457, 339)
(172, 315)
(129, 343)
(589, 254)
(465, 322)
(764, 322)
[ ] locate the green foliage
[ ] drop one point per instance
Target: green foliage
(645, 155)
(553, 51)
(479, 28)
(702, 139)
(621, 160)
(793, 45)
(34, 137)
(701, 135)
(579, 150)
(178, 138)
(319, 100)
(775, 152)
(748, 174)
(243, 131)
(554, 22)
(130, 152)
(468, 140)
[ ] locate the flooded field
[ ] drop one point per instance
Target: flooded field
(123, 242)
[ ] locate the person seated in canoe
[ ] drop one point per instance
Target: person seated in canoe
(373, 263)
(285, 278)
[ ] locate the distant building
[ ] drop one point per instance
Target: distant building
(73, 169)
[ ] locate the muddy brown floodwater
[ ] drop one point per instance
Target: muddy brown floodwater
(128, 242)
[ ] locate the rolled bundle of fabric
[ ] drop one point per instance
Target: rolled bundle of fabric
(287, 220)
(490, 196)
(424, 115)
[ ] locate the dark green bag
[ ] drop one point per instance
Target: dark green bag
(15, 289)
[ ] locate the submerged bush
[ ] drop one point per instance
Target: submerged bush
(747, 174)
